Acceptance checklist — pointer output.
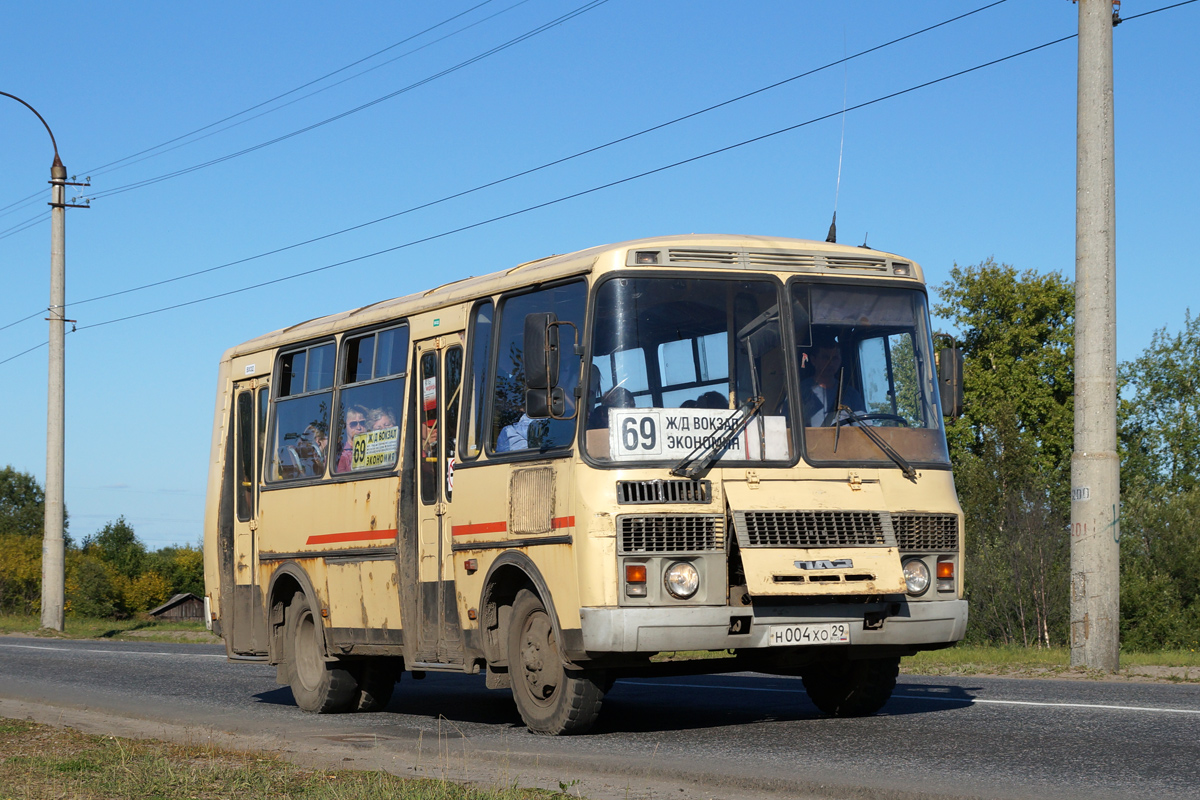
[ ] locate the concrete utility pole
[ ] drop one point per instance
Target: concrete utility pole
(53, 558)
(53, 567)
(1095, 465)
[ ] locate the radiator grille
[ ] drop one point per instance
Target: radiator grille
(926, 532)
(671, 533)
(814, 529)
(659, 491)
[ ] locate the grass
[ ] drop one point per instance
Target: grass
(964, 659)
(39, 762)
(136, 629)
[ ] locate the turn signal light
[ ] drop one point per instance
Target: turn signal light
(635, 580)
(945, 574)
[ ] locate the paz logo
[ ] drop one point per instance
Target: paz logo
(839, 563)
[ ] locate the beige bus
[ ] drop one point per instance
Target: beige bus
(732, 445)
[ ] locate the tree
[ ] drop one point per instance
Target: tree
(1011, 448)
(1160, 504)
(182, 567)
(23, 505)
(1160, 412)
(117, 545)
(1017, 335)
(20, 573)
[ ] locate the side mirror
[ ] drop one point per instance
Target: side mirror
(543, 403)
(543, 396)
(950, 381)
(541, 350)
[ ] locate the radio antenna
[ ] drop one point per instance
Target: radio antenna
(832, 237)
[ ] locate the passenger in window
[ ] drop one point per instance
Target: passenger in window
(515, 436)
(311, 448)
(380, 418)
(616, 397)
(356, 423)
(825, 378)
(713, 399)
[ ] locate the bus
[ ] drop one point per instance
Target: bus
(728, 448)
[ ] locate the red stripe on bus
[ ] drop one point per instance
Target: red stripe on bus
(501, 527)
(353, 536)
(481, 527)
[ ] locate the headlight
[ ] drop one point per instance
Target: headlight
(682, 580)
(916, 576)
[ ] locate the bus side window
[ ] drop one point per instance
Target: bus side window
(512, 429)
(479, 339)
(369, 400)
(300, 443)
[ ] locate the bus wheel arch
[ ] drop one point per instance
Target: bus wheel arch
(511, 572)
(285, 583)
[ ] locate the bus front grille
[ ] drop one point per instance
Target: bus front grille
(671, 533)
(660, 491)
(926, 532)
(814, 529)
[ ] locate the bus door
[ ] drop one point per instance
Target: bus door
(248, 624)
(437, 391)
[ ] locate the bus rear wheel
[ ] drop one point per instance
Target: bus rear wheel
(851, 688)
(376, 683)
(317, 685)
(552, 699)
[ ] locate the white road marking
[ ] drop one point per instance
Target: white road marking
(967, 700)
(117, 652)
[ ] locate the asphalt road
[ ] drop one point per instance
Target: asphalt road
(735, 736)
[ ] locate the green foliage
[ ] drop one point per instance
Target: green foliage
(181, 567)
(1160, 504)
(117, 545)
(20, 573)
(1011, 448)
(1160, 413)
(23, 505)
(1017, 334)
(91, 589)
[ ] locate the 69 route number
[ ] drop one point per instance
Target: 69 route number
(639, 434)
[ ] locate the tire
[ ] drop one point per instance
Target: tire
(851, 688)
(376, 682)
(552, 699)
(318, 686)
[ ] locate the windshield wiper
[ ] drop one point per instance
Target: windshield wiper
(697, 461)
(887, 449)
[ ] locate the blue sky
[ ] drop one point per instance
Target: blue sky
(975, 167)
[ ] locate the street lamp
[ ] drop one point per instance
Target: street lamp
(53, 570)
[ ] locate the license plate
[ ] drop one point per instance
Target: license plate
(817, 633)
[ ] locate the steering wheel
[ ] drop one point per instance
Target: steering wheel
(829, 420)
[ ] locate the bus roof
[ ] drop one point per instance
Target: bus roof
(721, 251)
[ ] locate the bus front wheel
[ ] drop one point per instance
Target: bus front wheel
(317, 685)
(851, 688)
(552, 699)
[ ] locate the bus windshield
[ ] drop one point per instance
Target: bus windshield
(676, 359)
(679, 365)
(865, 358)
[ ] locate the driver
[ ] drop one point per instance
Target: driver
(820, 385)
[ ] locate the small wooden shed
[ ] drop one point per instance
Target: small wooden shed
(185, 606)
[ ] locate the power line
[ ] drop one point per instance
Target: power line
(532, 170)
(578, 194)
(595, 189)
(315, 92)
(493, 51)
(103, 168)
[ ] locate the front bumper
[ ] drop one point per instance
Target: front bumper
(652, 630)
